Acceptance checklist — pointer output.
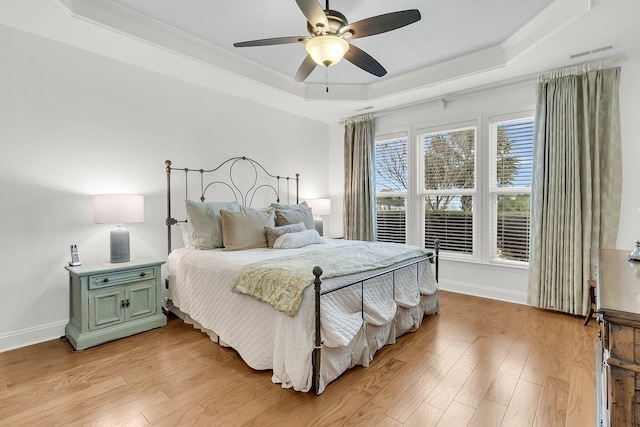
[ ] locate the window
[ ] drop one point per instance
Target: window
(510, 187)
(449, 188)
(467, 184)
(391, 189)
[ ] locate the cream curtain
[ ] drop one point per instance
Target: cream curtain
(577, 185)
(359, 219)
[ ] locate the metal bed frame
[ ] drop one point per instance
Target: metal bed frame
(242, 196)
(273, 183)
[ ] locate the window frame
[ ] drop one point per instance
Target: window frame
(404, 194)
(422, 192)
(493, 190)
(484, 202)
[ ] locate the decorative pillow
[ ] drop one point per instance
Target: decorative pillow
(274, 232)
(294, 216)
(204, 220)
(250, 209)
(297, 240)
(245, 229)
(186, 234)
(283, 207)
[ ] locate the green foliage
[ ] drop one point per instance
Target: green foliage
(449, 160)
(518, 203)
(507, 165)
(449, 163)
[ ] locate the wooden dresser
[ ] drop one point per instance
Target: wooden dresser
(618, 345)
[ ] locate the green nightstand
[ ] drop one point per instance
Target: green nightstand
(110, 301)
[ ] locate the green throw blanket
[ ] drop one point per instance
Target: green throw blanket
(281, 281)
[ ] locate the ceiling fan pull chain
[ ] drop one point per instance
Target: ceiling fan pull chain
(326, 79)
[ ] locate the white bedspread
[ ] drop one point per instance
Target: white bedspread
(269, 339)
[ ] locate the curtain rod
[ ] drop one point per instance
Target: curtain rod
(583, 68)
(529, 78)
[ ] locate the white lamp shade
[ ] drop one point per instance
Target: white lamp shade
(118, 208)
(326, 50)
(320, 206)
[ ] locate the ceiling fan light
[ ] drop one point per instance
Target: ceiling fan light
(327, 50)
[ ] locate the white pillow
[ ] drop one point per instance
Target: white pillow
(274, 232)
(297, 240)
(205, 222)
(186, 234)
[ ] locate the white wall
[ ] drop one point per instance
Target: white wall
(505, 282)
(74, 124)
(630, 120)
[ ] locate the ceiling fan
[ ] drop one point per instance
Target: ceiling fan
(329, 31)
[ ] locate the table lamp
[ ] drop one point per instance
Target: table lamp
(319, 207)
(118, 209)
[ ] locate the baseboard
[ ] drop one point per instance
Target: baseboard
(29, 336)
(484, 291)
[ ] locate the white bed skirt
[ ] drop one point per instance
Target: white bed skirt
(360, 351)
(268, 339)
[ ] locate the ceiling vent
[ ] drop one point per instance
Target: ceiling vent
(591, 52)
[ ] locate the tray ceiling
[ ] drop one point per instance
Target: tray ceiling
(456, 48)
(447, 30)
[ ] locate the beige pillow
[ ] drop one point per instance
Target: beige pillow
(294, 216)
(245, 229)
(274, 232)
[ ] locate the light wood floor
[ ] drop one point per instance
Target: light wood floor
(477, 363)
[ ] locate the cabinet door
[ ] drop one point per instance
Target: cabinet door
(141, 297)
(105, 307)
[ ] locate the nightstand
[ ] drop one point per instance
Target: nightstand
(110, 301)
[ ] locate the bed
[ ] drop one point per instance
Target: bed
(307, 312)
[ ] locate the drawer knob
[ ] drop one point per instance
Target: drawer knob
(105, 280)
(143, 274)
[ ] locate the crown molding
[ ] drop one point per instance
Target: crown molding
(115, 17)
(553, 19)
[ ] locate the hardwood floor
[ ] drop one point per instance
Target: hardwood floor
(478, 362)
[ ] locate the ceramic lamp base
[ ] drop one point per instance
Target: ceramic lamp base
(318, 224)
(120, 244)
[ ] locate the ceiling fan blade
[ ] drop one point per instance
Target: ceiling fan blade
(382, 23)
(313, 12)
(362, 59)
(307, 66)
(273, 41)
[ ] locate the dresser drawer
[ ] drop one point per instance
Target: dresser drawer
(118, 278)
(622, 342)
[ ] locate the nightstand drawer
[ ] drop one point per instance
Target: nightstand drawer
(118, 278)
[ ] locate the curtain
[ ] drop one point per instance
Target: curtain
(577, 185)
(359, 221)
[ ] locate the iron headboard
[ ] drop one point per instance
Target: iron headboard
(262, 180)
